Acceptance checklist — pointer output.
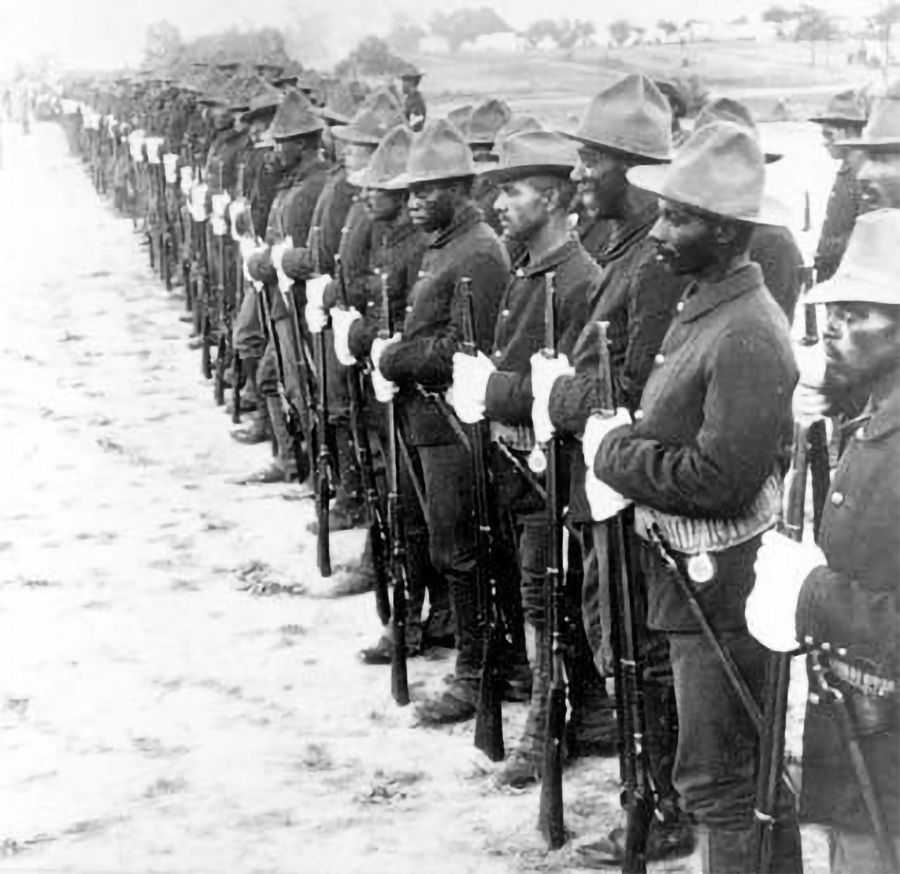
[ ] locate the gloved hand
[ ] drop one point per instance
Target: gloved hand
(809, 403)
(604, 501)
(277, 255)
(384, 389)
(341, 320)
(315, 290)
(782, 566)
(470, 378)
(596, 428)
(544, 372)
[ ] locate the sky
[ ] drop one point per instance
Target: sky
(110, 33)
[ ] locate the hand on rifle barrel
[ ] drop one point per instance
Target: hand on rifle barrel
(385, 390)
(341, 321)
(545, 370)
(469, 387)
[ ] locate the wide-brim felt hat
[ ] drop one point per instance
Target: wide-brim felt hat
(388, 161)
(630, 118)
(729, 109)
(266, 100)
(882, 131)
(379, 113)
(460, 116)
(517, 124)
(843, 109)
(532, 153)
(720, 170)
(871, 263)
(411, 71)
(438, 153)
(339, 105)
(484, 122)
(294, 118)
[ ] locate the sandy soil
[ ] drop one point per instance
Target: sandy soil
(175, 696)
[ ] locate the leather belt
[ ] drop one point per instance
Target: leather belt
(861, 680)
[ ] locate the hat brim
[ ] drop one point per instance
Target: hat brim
(841, 120)
(873, 144)
(259, 111)
(333, 118)
(292, 135)
(350, 134)
(617, 149)
(850, 284)
(652, 178)
(405, 180)
(522, 171)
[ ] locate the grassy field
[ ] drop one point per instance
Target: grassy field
(556, 86)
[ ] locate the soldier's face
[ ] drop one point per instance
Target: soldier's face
(602, 184)
(522, 209)
(685, 242)
(356, 156)
(831, 134)
(862, 342)
(289, 152)
(879, 179)
(481, 153)
(383, 205)
(221, 118)
(431, 206)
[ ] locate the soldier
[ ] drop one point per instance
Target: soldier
(413, 101)
(841, 600)
(533, 203)
(397, 250)
(701, 463)
(440, 173)
(626, 125)
(296, 130)
(842, 120)
(481, 130)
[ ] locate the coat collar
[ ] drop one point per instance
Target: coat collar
(550, 261)
(701, 297)
(464, 220)
(883, 419)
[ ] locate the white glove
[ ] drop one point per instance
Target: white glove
(596, 428)
(809, 403)
(544, 372)
(187, 180)
(470, 378)
(153, 145)
(277, 254)
(605, 502)
(315, 290)
(170, 162)
(379, 344)
(782, 566)
(219, 208)
(341, 320)
(316, 318)
(198, 201)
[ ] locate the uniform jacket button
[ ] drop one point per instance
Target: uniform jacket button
(409, 308)
(679, 306)
(837, 498)
(659, 358)
(504, 313)
(638, 415)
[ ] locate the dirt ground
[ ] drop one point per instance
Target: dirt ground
(175, 696)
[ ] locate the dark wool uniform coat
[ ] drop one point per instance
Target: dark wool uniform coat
(853, 603)
(715, 423)
(840, 216)
(432, 331)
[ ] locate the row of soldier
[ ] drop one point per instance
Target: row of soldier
(551, 375)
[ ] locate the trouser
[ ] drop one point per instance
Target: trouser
(855, 853)
(249, 336)
(449, 510)
(717, 754)
(660, 714)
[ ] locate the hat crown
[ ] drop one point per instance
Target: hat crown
(460, 116)
(373, 119)
(848, 105)
(884, 122)
(438, 151)
(725, 109)
(719, 169)
(486, 119)
(534, 149)
(868, 271)
(517, 124)
(630, 116)
(389, 159)
(294, 117)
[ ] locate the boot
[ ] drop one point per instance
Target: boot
(284, 466)
(354, 579)
(668, 838)
(523, 765)
(348, 510)
(457, 701)
(258, 431)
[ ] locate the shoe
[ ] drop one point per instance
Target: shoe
(341, 517)
(195, 342)
(274, 473)
(517, 682)
(248, 405)
(383, 651)
(520, 769)
(592, 729)
(251, 436)
(186, 317)
(666, 840)
(438, 629)
(455, 703)
(355, 581)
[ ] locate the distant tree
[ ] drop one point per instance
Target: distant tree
(371, 57)
(464, 25)
(162, 43)
(405, 34)
(883, 22)
(620, 30)
(667, 26)
(564, 32)
(814, 25)
(780, 14)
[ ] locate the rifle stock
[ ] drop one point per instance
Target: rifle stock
(550, 815)
(489, 711)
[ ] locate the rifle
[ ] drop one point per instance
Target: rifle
(378, 531)
(816, 436)
(164, 233)
(399, 679)
(550, 816)
(221, 304)
(237, 266)
(610, 541)
(323, 468)
(489, 713)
